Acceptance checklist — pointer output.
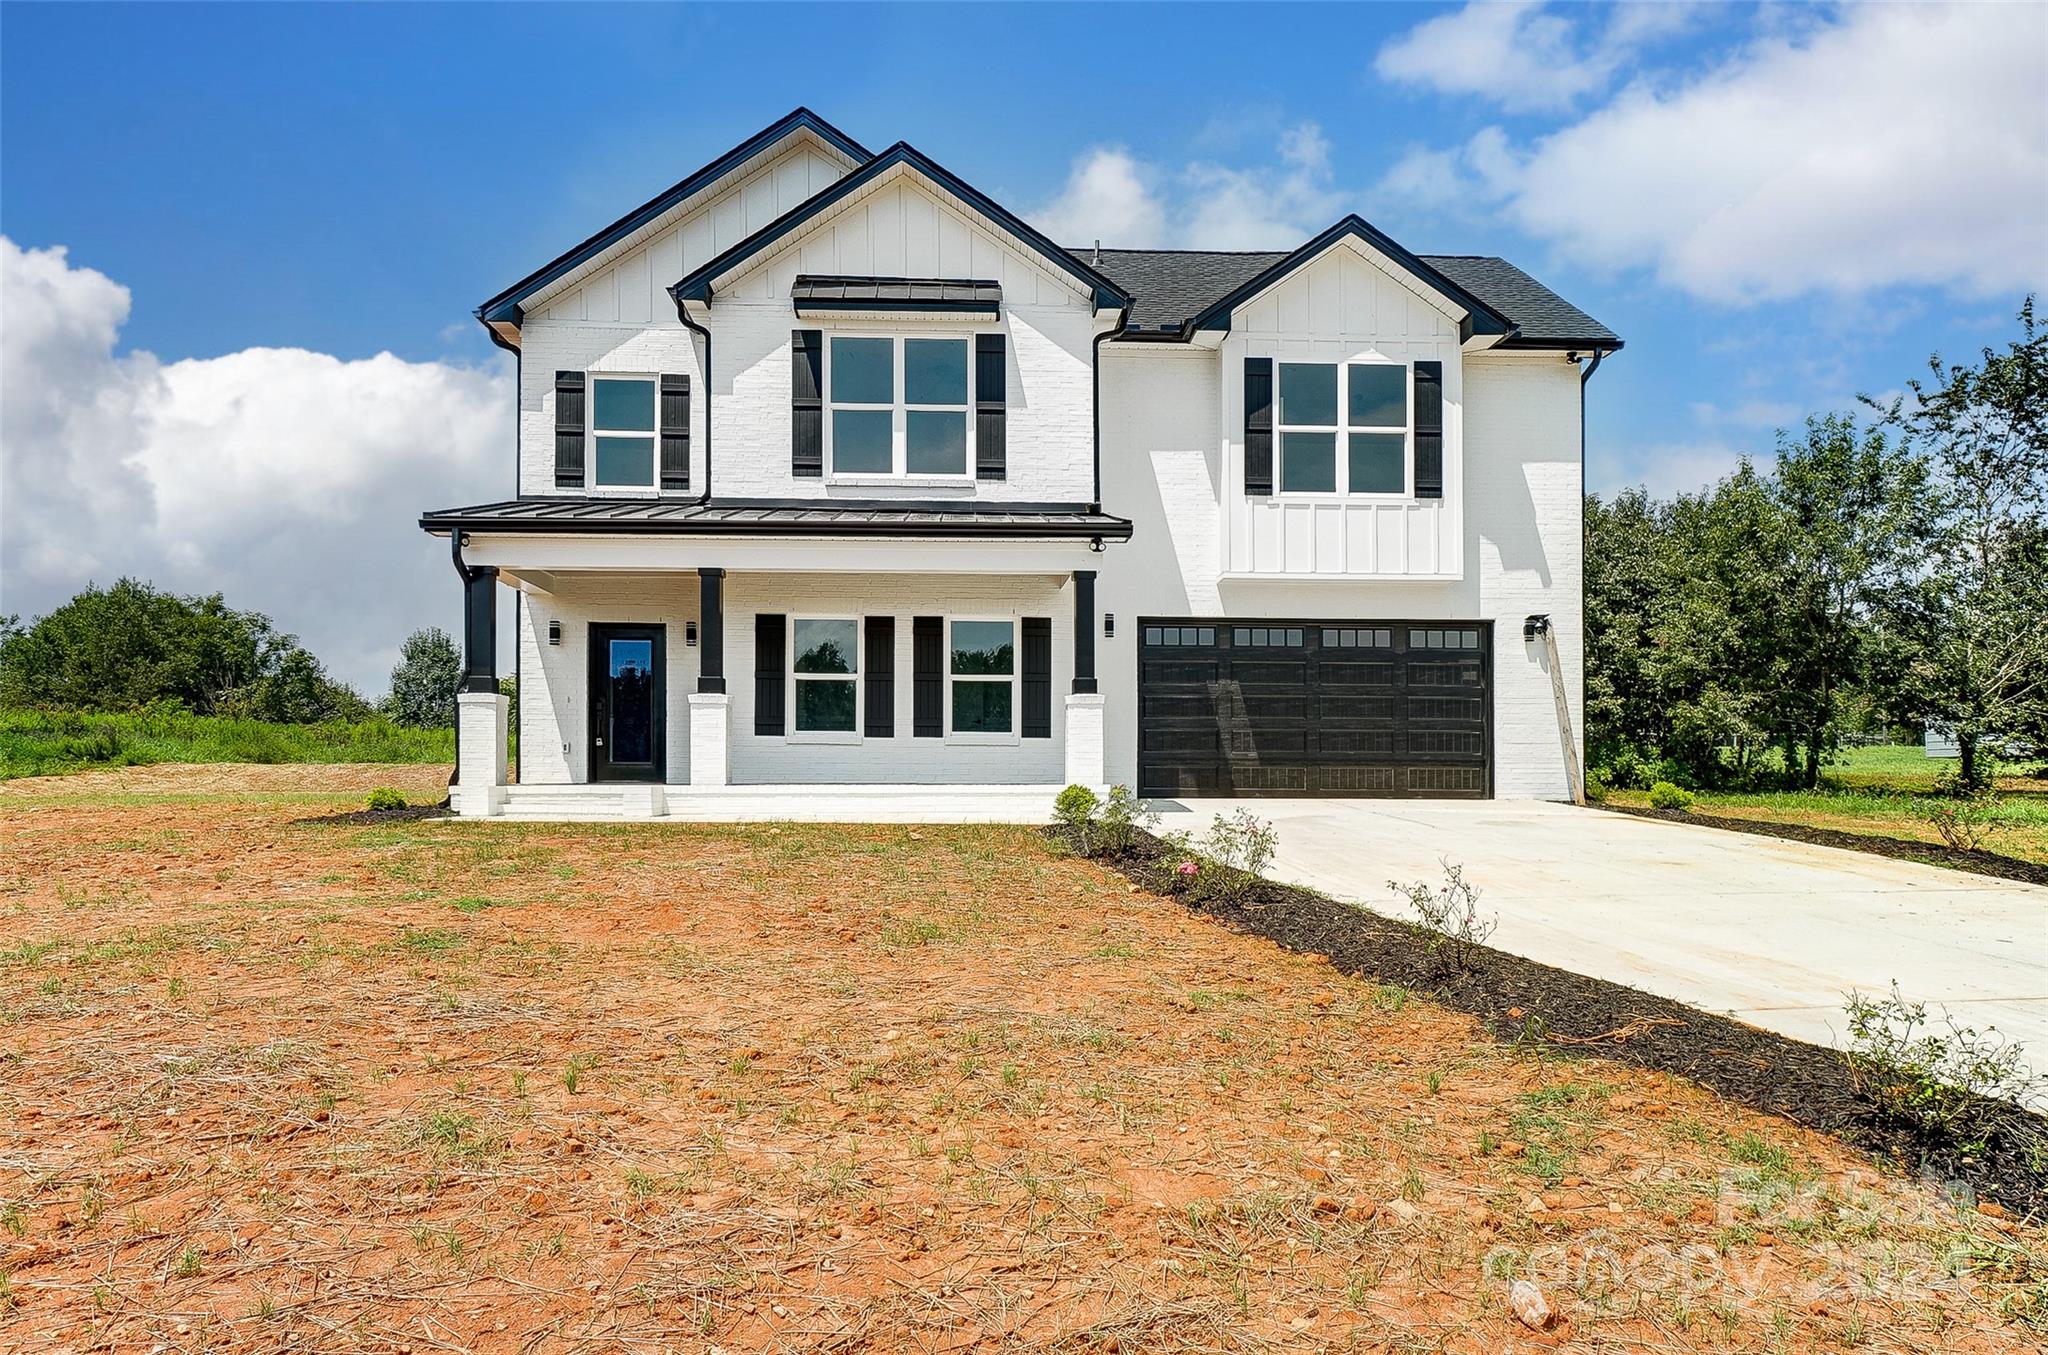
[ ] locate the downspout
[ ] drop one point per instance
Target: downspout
(683, 314)
(1585, 375)
(1123, 320)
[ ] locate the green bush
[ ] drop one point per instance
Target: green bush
(1927, 1077)
(1123, 815)
(1075, 811)
(1664, 795)
(384, 797)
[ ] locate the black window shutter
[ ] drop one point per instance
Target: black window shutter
(1037, 722)
(928, 677)
(1429, 430)
(807, 403)
(1258, 425)
(675, 432)
(768, 666)
(880, 661)
(991, 449)
(568, 430)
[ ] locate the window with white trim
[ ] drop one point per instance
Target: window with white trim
(623, 412)
(824, 674)
(981, 664)
(898, 406)
(1343, 428)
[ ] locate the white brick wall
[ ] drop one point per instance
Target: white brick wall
(554, 693)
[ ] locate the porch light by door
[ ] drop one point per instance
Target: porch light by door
(690, 634)
(1108, 625)
(554, 632)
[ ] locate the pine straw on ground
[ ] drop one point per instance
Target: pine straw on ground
(275, 1084)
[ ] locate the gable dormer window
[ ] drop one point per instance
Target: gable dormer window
(898, 406)
(1343, 428)
(622, 423)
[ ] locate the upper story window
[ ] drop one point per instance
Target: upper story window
(898, 406)
(1343, 427)
(622, 424)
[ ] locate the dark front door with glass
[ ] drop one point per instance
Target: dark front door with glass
(627, 701)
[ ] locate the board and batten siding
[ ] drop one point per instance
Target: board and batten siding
(1342, 306)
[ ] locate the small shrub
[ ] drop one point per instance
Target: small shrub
(1075, 811)
(1965, 822)
(1448, 919)
(1233, 854)
(1929, 1078)
(384, 797)
(1123, 816)
(1664, 795)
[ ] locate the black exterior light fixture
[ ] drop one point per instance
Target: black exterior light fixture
(1535, 625)
(689, 635)
(554, 632)
(1108, 624)
(1095, 545)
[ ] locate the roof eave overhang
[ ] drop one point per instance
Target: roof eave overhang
(1114, 529)
(699, 287)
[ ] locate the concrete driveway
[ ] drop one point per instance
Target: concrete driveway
(1769, 931)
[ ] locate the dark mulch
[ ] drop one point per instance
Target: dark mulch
(1521, 1000)
(369, 816)
(1898, 848)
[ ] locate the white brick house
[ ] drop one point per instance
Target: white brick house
(833, 470)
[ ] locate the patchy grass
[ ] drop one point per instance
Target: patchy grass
(328, 1086)
(50, 743)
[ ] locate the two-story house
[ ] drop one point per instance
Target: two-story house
(832, 469)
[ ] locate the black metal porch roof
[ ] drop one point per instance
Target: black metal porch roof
(778, 517)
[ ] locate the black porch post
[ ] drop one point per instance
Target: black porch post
(480, 628)
(711, 626)
(1084, 630)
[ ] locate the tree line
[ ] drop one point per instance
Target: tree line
(1888, 571)
(136, 647)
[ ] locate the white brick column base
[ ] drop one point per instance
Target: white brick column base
(479, 790)
(1084, 739)
(710, 738)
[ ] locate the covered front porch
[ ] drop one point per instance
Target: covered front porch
(728, 679)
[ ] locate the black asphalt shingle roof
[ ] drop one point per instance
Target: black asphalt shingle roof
(1172, 286)
(777, 517)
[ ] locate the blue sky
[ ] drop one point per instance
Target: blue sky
(1777, 207)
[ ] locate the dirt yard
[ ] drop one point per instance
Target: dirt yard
(269, 1083)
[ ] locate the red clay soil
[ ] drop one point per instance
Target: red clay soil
(274, 1084)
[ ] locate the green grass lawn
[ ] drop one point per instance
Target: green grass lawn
(47, 743)
(1886, 791)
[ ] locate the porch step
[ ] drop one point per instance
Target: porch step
(595, 803)
(803, 804)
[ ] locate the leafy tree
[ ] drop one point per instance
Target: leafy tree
(424, 682)
(1978, 628)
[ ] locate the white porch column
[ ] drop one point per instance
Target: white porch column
(710, 738)
(479, 790)
(1084, 739)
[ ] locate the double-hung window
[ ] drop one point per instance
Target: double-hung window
(899, 406)
(982, 668)
(825, 673)
(1343, 427)
(622, 423)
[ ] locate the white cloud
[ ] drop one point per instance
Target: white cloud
(1112, 196)
(1665, 469)
(1893, 146)
(291, 481)
(1521, 55)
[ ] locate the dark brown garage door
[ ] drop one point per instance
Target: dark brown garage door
(1315, 708)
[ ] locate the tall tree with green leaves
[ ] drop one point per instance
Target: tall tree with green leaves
(1978, 627)
(424, 682)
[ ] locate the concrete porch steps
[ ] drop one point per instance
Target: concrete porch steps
(610, 803)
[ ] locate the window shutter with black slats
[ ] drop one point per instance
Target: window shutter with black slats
(879, 721)
(769, 631)
(807, 403)
(991, 449)
(568, 430)
(1258, 426)
(1037, 719)
(675, 431)
(928, 677)
(1429, 430)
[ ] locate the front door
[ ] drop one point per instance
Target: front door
(628, 699)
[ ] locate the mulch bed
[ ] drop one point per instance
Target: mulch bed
(370, 816)
(1898, 848)
(2002, 1154)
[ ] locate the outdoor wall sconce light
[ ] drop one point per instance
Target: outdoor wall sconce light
(689, 635)
(1535, 625)
(1108, 624)
(554, 632)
